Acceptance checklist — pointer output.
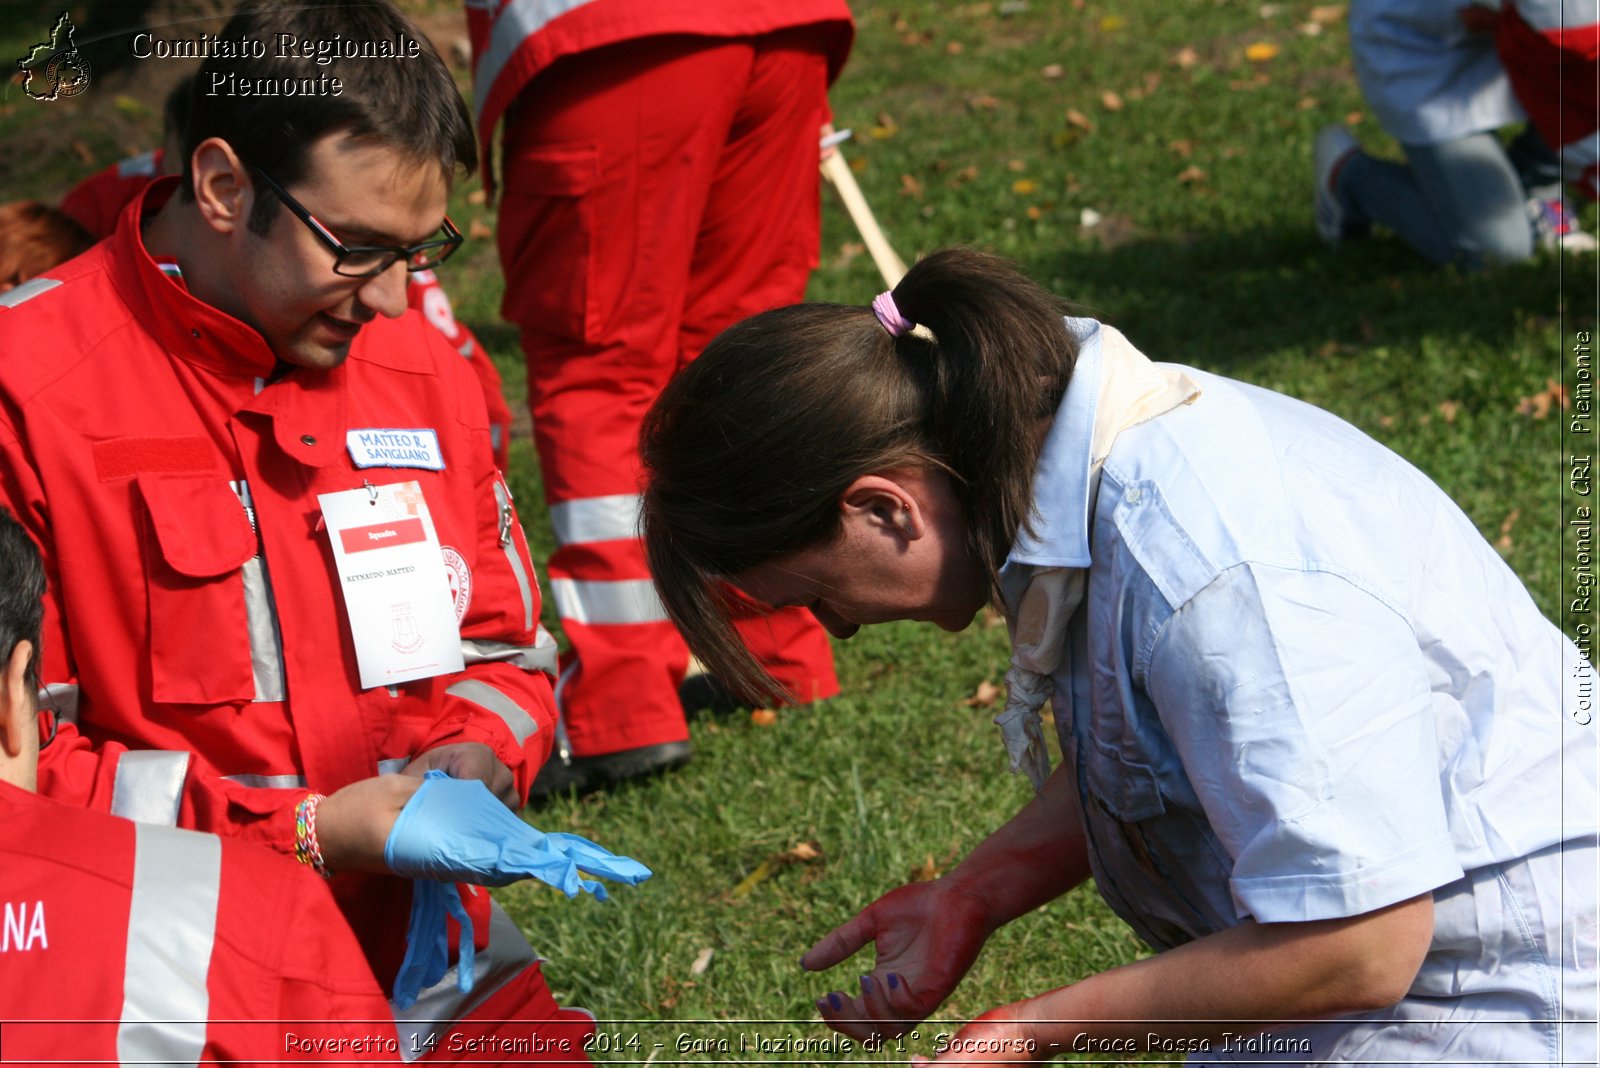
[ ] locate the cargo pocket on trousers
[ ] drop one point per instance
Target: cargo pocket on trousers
(197, 540)
(546, 237)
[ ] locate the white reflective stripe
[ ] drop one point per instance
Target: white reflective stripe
(27, 291)
(540, 656)
(487, 697)
(393, 766)
(516, 21)
(270, 782)
(266, 641)
(63, 697)
(631, 601)
(592, 519)
(437, 1008)
(502, 498)
(149, 785)
(141, 166)
(172, 927)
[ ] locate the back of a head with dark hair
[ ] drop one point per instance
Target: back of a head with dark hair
(749, 450)
(410, 105)
(21, 592)
(34, 237)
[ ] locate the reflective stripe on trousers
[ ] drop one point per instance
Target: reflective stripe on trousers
(172, 927)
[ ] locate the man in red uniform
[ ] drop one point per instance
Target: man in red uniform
(190, 414)
(97, 202)
(660, 183)
(149, 939)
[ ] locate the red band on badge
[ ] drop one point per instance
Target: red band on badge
(382, 535)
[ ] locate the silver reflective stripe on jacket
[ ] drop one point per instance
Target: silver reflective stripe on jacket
(388, 766)
(502, 497)
(149, 785)
(261, 612)
(623, 601)
(485, 696)
(27, 291)
(517, 20)
(540, 656)
(591, 519)
(440, 1005)
(172, 927)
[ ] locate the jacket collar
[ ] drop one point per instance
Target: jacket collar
(1061, 480)
(185, 326)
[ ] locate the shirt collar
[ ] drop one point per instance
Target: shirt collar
(1061, 480)
(185, 326)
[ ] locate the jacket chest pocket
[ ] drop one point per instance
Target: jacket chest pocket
(197, 539)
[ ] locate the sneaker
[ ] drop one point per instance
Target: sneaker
(564, 773)
(1555, 226)
(1333, 146)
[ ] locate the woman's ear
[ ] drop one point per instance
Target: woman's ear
(17, 702)
(886, 503)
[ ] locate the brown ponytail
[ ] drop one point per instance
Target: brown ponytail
(748, 451)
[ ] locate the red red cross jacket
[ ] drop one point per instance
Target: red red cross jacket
(150, 943)
(194, 604)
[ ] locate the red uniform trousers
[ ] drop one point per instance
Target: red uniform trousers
(655, 192)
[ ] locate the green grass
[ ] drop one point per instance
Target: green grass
(964, 136)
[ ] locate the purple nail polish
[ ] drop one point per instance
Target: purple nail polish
(836, 1001)
(866, 984)
(822, 1006)
(894, 981)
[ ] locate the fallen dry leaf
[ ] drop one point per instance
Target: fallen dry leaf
(1016, 165)
(910, 187)
(1306, 103)
(1052, 72)
(763, 717)
(1152, 81)
(1191, 175)
(1311, 29)
(1261, 52)
(477, 198)
(1503, 542)
(985, 101)
(964, 175)
(1185, 58)
(1353, 118)
(1538, 406)
(1448, 409)
(954, 48)
(1079, 119)
(1327, 13)
(1270, 11)
(804, 852)
(479, 230)
(926, 872)
(1111, 24)
(702, 961)
(859, 164)
(1035, 212)
(1024, 186)
(1110, 100)
(985, 695)
(1182, 148)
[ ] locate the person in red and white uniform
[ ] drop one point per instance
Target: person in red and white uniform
(229, 375)
(131, 942)
(96, 202)
(1551, 52)
(660, 182)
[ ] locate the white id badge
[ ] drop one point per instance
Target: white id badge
(396, 589)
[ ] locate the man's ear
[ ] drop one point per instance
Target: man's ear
(885, 502)
(17, 701)
(223, 190)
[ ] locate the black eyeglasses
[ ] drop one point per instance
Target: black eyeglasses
(366, 261)
(49, 724)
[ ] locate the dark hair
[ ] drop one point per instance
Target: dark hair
(175, 111)
(21, 592)
(748, 450)
(34, 237)
(411, 105)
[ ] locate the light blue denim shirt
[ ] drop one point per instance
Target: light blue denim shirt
(1302, 686)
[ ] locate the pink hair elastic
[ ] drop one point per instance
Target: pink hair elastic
(889, 315)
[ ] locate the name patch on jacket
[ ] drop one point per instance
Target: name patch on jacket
(377, 447)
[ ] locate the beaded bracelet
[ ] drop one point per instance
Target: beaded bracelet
(307, 850)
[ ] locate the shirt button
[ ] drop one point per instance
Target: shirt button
(308, 439)
(1131, 495)
(195, 334)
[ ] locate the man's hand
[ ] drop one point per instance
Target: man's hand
(470, 760)
(926, 936)
(353, 824)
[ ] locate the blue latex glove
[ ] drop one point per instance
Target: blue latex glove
(455, 830)
(427, 944)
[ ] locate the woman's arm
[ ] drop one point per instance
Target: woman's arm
(1233, 982)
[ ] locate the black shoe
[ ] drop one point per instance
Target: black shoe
(564, 774)
(704, 695)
